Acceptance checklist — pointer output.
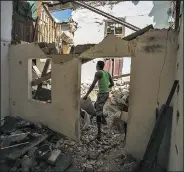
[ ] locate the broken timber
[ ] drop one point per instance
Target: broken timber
(121, 76)
(138, 33)
(18, 153)
(46, 66)
(42, 79)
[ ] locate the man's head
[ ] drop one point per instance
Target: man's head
(100, 65)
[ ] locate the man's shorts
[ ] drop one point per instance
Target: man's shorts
(100, 102)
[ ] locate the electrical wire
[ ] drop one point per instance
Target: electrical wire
(159, 85)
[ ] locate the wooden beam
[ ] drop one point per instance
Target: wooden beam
(177, 15)
(121, 76)
(35, 30)
(42, 79)
(57, 59)
(138, 33)
(48, 13)
(46, 66)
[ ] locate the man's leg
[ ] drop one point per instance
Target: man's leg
(106, 96)
(99, 112)
(98, 119)
(101, 99)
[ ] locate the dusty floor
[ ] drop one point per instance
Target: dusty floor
(90, 154)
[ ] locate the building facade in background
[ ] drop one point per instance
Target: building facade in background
(91, 26)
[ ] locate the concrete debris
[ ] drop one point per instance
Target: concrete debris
(116, 110)
(88, 106)
(30, 157)
(120, 100)
(49, 151)
(48, 48)
(53, 157)
(85, 120)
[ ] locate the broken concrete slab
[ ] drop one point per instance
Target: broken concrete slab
(19, 152)
(63, 163)
(13, 138)
(110, 47)
(53, 157)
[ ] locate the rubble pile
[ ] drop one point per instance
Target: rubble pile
(120, 100)
(90, 154)
(116, 109)
(30, 147)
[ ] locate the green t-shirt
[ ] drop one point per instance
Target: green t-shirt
(103, 83)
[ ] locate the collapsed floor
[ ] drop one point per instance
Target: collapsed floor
(33, 147)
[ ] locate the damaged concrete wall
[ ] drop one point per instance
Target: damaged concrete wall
(6, 28)
(152, 76)
(111, 47)
(176, 160)
(62, 114)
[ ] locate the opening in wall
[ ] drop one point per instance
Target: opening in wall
(40, 80)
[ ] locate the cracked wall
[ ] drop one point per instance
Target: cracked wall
(152, 76)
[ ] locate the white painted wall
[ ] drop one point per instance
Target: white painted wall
(90, 31)
(6, 28)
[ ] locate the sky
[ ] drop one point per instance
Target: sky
(63, 15)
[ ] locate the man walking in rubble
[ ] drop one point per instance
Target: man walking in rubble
(105, 82)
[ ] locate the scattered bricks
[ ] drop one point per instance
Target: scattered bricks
(53, 157)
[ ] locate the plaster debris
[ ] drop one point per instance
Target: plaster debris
(86, 155)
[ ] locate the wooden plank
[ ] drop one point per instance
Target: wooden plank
(138, 33)
(121, 76)
(177, 16)
(18, 153)
(48, 13)
(35, 30)
(46, 66)
(42, 79)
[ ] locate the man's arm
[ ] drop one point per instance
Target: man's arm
(97, 77)
(111, 81)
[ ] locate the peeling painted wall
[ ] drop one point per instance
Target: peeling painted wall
(62, 114)
(6, 28)
(152, 76)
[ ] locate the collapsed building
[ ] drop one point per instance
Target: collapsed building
(157, 61)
